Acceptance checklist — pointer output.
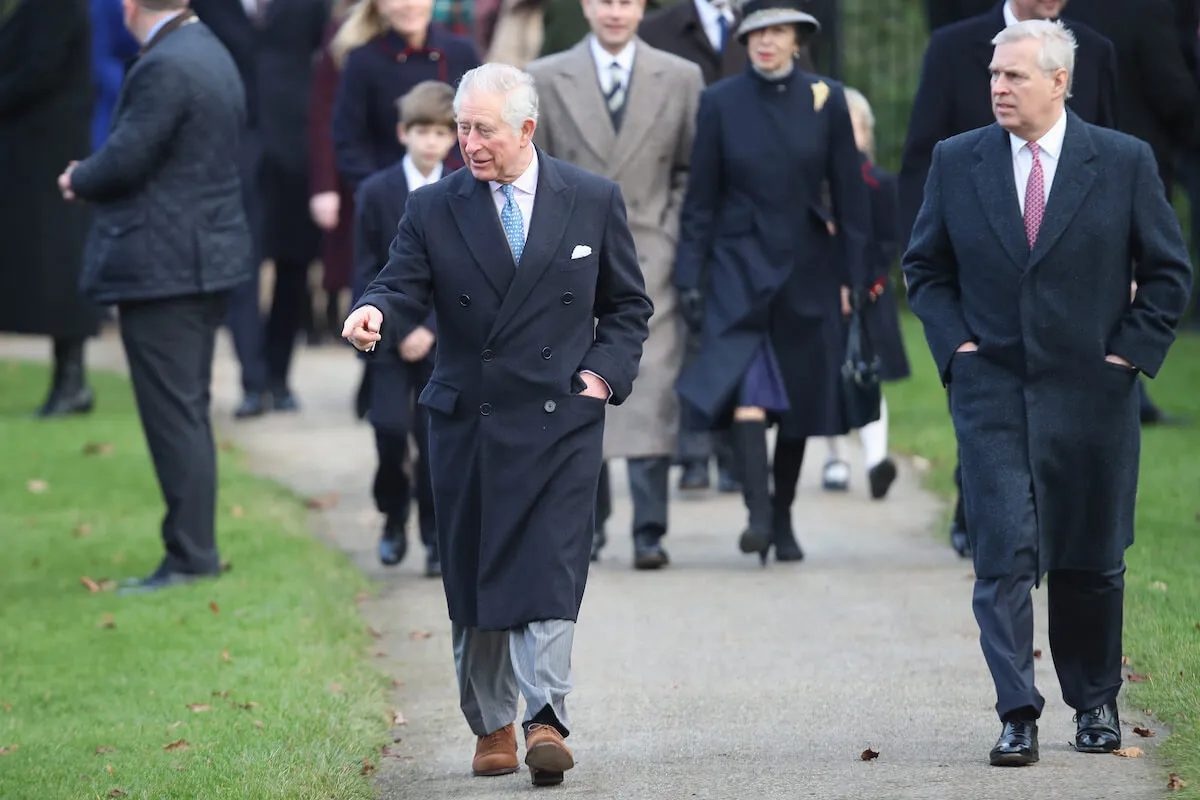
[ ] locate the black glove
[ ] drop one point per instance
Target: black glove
(691, 307)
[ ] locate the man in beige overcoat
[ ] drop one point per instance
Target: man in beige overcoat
(615, 106)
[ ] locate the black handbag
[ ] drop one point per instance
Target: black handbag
(861, 391)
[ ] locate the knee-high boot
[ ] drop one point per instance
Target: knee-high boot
(750, 449)
(69, 393)
(789, 456)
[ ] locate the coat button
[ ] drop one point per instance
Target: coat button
(401, 57)
(549, 406)
(464, 300)
(435, 55)
(485, 408)
(546, 352)
(567, 298)
(487, 355)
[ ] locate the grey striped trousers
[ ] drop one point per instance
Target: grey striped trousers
(533, 660)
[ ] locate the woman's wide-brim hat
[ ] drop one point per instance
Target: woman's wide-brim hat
(759, 14)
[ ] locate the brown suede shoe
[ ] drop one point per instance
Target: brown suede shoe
(496, 753)
(547, 755)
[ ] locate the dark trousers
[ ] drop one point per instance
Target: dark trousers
(244, 317)
(290, 309)
(393, 489)
(1086, 615)
(648, 489)
(169, 345)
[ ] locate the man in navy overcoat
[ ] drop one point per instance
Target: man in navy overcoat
(542, 312)
(1020, 266)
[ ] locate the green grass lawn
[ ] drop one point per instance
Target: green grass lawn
(1162, 606)
(95, 689)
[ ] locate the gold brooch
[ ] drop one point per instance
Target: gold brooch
(820, 95)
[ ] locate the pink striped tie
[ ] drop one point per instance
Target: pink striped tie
(1035, 197)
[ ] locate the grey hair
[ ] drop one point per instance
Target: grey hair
(1057, 41)
(520, 95)
(859, 106)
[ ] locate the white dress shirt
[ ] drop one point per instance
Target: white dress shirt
(158, 27)
(1050, 151)
(710, 19)
(413, 176)
(604, 61)
(1009, 17)
(524, 192)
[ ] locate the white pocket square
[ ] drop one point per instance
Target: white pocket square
(581, 251)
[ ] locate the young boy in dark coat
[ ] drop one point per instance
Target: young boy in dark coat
(427, 132)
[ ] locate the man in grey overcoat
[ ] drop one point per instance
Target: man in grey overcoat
(1019, 267)
(620, 108)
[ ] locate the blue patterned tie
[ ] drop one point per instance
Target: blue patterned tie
(514, 226)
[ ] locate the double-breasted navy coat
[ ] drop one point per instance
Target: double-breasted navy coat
(754, 236)
(515, 450)
(1038, 407)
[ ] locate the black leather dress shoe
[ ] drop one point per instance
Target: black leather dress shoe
(1159, 417)
(1098, 730)
(1017, 745)
(161, 579)
(881, 477)
(433, 566)
(959, 541)
(599, 539)
(726, 483)
(284, 401)
(393, 545)
(648, 553)
(252, 405)
(66, 403)
(694, 477)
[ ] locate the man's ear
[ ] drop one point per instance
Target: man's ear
(527, 129)
(402, 134)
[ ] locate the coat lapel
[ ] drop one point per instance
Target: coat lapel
(1073, 180)
(584, 101)
(993, 174)
(551, 211)
(475, 215)
(646, 96)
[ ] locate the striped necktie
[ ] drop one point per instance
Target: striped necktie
(616, 93)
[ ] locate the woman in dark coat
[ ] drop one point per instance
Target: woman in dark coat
(880, 317)
(45, 123)
(112, 47)
(755, 265)
(403, 47)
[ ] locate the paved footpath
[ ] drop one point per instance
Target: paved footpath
(714, 678)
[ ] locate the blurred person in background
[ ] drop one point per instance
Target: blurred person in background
(46, 101)
(274, 43)
(880, 317)
(387, 47)
(112, 47)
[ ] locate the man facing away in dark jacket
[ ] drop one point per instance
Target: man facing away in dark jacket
(169, 240)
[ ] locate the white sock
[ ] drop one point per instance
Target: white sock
(874, 437)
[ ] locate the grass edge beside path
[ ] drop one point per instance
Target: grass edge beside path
(258, 684)
(1162, 597)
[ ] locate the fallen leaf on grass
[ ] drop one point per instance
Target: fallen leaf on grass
(1145, 733)
(98, 449)
(335, 688)
(212, 604)
(1125, 660)
(89, 584)
(225, 445)
(1037, 653)
(12, 748)
(225, 656)
(247, 706)
(1198, 626)
(7, 707)
(367, 767)
(1137, 677)
(82, 529)
(199, 707)
(1130, 752)
(396, 684)
(174, 725)
(237, 512)
(1175, 782)
(180, 744)
(1162, 587)
(226, 566)
(109, 769)
(374, 633)
(223, 695)
(416, 635)
(117, 793)
(37, 487)
(105, 749)
(258, 723)
(869, 754)
(398, 718)
(323, 502)
(107, 622)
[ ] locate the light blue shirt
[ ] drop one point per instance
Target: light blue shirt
(158, 27)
